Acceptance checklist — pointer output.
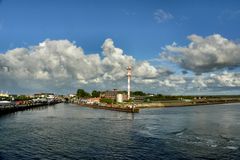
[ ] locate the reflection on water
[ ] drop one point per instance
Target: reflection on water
(66, 131)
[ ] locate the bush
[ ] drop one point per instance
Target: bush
(22, 98)
(130, 100)
(107, 100)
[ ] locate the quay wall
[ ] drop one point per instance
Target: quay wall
(12, 108)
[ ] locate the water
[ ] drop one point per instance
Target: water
(66, 131)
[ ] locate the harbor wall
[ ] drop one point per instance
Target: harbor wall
(12, 108)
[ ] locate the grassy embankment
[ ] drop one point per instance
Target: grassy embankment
(194, 102)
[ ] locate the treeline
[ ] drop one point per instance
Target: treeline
(83, 94)
(160, 97)
(149, 96)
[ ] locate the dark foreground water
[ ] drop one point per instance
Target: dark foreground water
(66, 131)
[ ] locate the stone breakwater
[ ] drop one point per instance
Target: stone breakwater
(114, 107)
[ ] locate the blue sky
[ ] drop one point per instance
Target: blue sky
(141, 28)
(129, 23)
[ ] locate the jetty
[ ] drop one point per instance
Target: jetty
(113, 107)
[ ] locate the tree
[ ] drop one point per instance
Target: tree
(139, 93)
(107, 100)
(95, 93)
(82, 93)
(22, 98)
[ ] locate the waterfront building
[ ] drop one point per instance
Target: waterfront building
(72, 95)
(93, 100)
(109, 94)
(113, 94)
(44, 95)
(119, 98)
(4, 94)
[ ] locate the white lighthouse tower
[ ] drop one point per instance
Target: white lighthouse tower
(129, 74)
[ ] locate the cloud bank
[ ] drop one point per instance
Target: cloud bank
(60, 64)
(206, 66)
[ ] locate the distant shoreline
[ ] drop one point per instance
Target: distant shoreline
(125, 107)
(181, 104)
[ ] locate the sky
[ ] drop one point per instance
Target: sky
(174, 47)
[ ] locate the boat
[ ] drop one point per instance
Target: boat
(5, 103)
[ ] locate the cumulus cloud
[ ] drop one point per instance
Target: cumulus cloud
(208, 83)
(214, 80)
(161, 16)
(60, 64)
(114, 61)
(172, 81)
(53, 64)
(202, 55)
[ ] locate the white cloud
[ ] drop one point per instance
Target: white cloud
(228, 79)
(173, 81)
(144, 69)
(207, 54)
(214, 80)
(114, 62)
(208, 83)
(161, 16)
(59, 64)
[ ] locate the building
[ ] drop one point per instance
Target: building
(93, 100)
(4, 94)
(44, 95)
(72, 95)
(113, 94)
(109, 94)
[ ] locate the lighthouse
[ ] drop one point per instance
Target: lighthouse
(129, 74)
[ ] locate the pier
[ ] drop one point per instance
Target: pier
(120, 108)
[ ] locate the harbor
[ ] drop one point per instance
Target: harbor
(119, 80)
(114, 100)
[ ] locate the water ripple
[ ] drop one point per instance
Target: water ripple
(73, 132)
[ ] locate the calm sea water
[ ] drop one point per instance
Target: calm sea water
(67, 131)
